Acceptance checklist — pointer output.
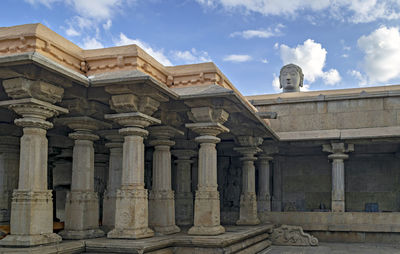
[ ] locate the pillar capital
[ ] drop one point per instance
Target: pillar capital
(338, 148)
(164, 132)
(20, 88)
(84, 127)
(132, 119)
(208, 121)
(114, 139)
(184, 154)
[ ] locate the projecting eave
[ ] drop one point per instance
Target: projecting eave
(216, 91)
(130, 77)
(43, 62)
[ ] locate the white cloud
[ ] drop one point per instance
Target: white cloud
(265, 60)
(331, 77)
(382, 54)
(260, 33)
(157, 54)
(362, 81)
(191, 57)
(276, 84)
(237, 58)
(107, 25)
(310, 56)
(72, 32)
(91, 43)
(356, 11)
(345, 55)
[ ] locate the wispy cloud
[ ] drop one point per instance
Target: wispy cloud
(91, 43)
(237, 58)
(260, 33)
(355, 11)
(190, 56)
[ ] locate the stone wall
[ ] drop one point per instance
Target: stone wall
(335, 114)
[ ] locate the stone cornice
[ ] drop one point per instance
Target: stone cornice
(326, 95)
(37, 38)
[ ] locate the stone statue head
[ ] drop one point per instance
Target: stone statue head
(291, 78)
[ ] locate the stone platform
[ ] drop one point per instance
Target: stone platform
(237, 239)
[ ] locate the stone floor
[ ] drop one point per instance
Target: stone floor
(337, 248)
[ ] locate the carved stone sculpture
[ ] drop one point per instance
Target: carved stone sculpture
(291, 78)
(292, 236)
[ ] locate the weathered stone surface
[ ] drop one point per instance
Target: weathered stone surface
(293, 236)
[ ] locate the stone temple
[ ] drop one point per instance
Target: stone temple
(109, 151)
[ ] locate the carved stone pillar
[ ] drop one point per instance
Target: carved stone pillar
(131, 215)
(62, 175)
(9, 162)
(161, 196)
(264, 176)
(338, 155)
(248, 198)
(32, 204)
(183, 190)
(207, 205)
(264, 197)
(114, 177)
(82, 207)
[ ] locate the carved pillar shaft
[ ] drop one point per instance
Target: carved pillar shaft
(248, 200)
(338, 155)
(113, 184)
(162, 196)
(131, 212)
(82, 205)
(264, 197)
(9, 161)
(183, 189)
(207, 204)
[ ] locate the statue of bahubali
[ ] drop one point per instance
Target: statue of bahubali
(291, 78)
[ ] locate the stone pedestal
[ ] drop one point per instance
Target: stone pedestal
(264, 197)
(32, 205)
(9, 163)
(161, 196)
(114, 178)
(338, 177)
(248, 199)
(82, 206)
(183, 193)
(207, 204)
(131, 214)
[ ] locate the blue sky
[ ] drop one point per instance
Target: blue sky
(338, 43)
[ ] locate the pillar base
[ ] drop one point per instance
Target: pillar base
(264, 203)
(167, 230)
(338, 206)
(109, 204)
(207, 214)
(30, 240)
(162, 212)
(248, 210)
(184, 208)
(82, 215)
(137, 233)
(81, 234)
(202, 230)
(131, 215)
